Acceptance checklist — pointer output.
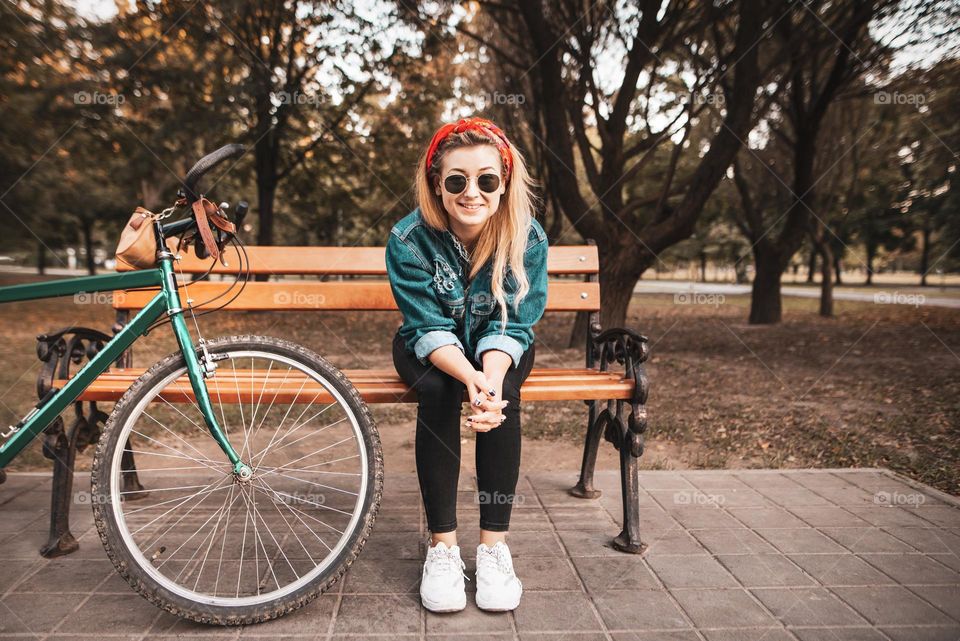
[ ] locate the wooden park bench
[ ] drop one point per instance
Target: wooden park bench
(612, 381)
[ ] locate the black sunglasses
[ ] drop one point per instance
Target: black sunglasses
(456, 183)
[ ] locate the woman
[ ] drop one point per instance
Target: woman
(470, 256)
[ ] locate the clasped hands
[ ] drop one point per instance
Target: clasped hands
(486, 402)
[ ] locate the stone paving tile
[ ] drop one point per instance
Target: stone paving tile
(704, 517)
(545, 573)
(723, 609)
(590, 543)
(704, 480)
(362, 614)
(859, 539)
(775, 517)
(804, 606)
(949, 633)
(137, 615)
(580, 518)
(889, 515)
(838, 634)
(926, 540)
(20, 614)
(567, 636)
(672, 542)
(13, 571)
(396, 576)
(556, 611)
(600, 573)
(891, 606)
(840, 569)
(947, 598)
(67, 575)
(749, 634)
(694, 571)
(800, 540)
(828, 516)
(764, 570)
(470, 619)
(639, 610)
(944, 516)
(732, 541)
(913, 569)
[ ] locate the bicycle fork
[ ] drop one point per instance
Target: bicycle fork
(197, 372)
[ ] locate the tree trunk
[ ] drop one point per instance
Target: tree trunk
(871, 254)
(703, 267)
(86, 227)
(826, 279)
(837, 269)
(765, 305)
(925, 255)
(41, 258)
(618, 278)
(811, 265)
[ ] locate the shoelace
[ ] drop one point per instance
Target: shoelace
(499, 557)
(445, 560)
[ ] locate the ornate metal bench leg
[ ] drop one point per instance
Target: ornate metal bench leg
(584, 488)
(58, 351)
(629, 538)
(62, 448)
(628, 348)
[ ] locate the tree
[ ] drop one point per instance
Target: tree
(595, 137)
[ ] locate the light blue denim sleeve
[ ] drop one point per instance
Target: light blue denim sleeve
(517, 334)
(425, 325)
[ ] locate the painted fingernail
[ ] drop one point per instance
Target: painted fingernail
(492, 392)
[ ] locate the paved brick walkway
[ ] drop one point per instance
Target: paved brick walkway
(751, 555)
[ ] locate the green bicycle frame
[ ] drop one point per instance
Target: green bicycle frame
(167, 301)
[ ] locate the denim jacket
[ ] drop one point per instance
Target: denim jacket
(428, 272)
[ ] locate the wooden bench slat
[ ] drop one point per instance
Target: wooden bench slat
(336, 296)
(541, 385)
(561, 259)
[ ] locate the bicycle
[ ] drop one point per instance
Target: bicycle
(250, 505)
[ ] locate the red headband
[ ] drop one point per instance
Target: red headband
(482, 125)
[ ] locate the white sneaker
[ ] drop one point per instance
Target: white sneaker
(441, 585)
(498, 587)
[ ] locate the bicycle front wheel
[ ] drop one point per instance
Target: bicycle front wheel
(203, 544)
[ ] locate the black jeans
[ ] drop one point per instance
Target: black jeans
(439, 405)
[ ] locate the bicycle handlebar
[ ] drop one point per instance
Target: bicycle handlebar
(207, 163)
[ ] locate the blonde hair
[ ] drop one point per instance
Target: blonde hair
(504, 236)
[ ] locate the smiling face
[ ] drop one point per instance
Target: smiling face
(470, 209)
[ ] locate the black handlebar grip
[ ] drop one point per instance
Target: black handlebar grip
(207, 163)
